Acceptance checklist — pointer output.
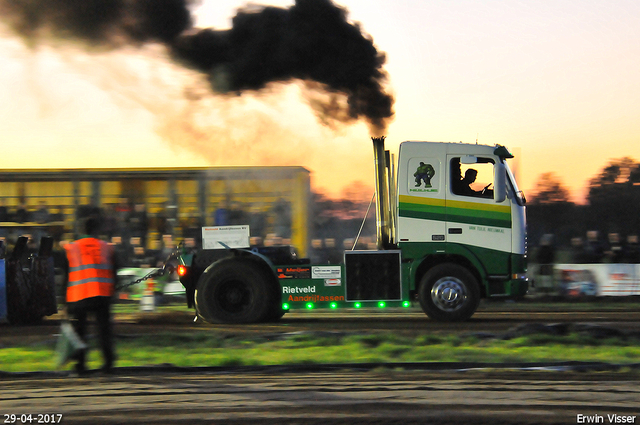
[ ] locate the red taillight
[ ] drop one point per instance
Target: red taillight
(181, 270)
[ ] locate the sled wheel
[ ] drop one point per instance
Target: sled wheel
(234, 290)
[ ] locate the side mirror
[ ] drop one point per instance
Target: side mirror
(500, 182)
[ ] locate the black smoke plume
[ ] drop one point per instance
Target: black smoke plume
(311, 41)
(108, 23)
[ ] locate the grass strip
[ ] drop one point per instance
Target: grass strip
(201, 348)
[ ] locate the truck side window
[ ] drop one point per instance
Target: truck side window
(472, 179)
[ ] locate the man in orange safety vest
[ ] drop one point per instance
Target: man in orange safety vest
(90, 285)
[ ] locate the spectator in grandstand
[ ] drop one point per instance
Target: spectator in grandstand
(632, 250)
(110, 222)
(58, 216)
(272, 240)
(123, 209)
(139, 223)
(4, 216)
(594, 251)
(221, 215)
(237, 214)
(282, 218)
(257, 221)
(140, 258)
(577, 251)
(4, 213)
(153, 252)
(192, 227)
(135, 252)
(317, 253)
(21, 215)
(41, 215)
(119, 250)
(615, 253)
(190, 245)
(333, 252)
(168, 247)
(545, 258)
(163, 222)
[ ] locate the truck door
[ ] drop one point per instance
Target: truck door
(421, 212)
(474, 219)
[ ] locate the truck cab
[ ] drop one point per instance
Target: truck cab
(458, 205)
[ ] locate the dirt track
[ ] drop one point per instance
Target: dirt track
(340, 396)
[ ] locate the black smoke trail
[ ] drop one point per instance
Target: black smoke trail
(312, 41)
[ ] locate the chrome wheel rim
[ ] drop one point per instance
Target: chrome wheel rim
(449, 293)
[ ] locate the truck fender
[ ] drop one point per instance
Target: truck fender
(240, 251)
(455, 254)
(256, 256)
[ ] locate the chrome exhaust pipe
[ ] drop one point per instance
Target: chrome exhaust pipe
(382, 207)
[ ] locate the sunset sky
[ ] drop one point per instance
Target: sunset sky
(556, 81)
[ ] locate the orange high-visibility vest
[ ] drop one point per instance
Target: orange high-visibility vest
(90, 269)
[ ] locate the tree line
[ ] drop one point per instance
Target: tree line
(613, 204)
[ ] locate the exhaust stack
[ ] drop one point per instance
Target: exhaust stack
(392, 199)
(383, 239)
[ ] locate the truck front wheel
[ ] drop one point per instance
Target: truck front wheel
(233, 291)
(449, 293)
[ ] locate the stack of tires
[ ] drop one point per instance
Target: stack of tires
(30, 283)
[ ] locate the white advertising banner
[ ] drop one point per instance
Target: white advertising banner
(622, 279)
(326, 272)
(221, 237)
(575, 280)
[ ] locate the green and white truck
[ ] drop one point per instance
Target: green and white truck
(451, 230)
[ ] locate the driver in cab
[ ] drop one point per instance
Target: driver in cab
(466, 182)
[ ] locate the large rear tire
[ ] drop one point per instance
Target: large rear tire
(234, 290)
(449, 293)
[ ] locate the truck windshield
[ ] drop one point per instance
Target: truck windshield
(519, 195)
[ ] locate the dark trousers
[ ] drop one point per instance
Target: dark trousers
(100, 307)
